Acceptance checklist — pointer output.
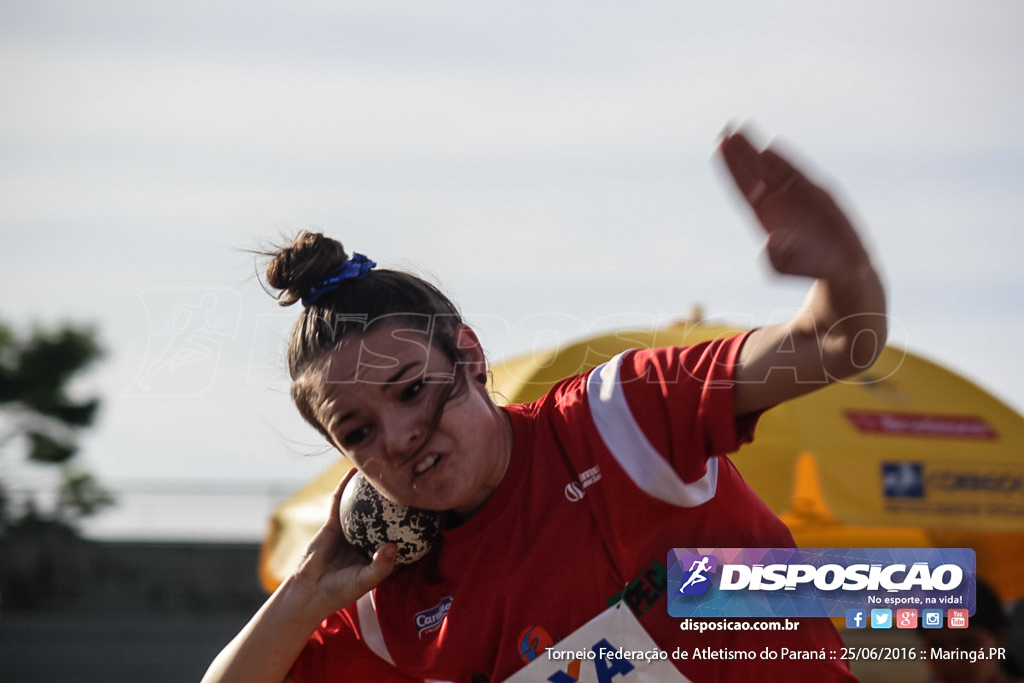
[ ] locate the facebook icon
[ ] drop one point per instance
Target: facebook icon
(856, 618)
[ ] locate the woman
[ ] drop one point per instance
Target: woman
(385, 369)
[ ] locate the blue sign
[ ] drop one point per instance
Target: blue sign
(820, 582)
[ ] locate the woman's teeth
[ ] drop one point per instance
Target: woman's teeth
(426, 464)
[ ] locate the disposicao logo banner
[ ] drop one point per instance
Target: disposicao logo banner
(816, 582)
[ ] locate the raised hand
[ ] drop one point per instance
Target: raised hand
(808, 234)
(842, 326)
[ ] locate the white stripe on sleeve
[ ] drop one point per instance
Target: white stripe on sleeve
(369, 628)
(629, 445)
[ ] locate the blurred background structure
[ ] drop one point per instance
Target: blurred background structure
(548, 163)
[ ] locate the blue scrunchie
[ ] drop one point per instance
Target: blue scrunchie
(355, 268)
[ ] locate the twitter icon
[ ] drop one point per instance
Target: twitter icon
(881, 618)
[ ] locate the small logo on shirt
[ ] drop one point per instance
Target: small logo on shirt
(533, 642)
(575, 490)
(431, 619)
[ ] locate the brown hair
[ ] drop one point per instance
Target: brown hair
(354, 307)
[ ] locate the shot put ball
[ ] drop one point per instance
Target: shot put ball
(369, 520)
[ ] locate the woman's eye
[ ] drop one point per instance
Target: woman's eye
(355, 437)
(413, 390)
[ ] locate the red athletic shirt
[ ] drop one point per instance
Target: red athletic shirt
(609, 471)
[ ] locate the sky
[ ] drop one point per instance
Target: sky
(550, 163)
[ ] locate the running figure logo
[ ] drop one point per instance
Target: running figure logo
(696, 580)
(191, 332)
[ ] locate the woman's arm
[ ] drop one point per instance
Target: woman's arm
(331, 576)
(266, 648)
(842, 327)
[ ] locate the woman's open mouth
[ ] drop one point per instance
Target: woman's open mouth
(426, 464)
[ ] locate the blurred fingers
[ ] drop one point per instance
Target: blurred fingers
(757, 173)
(744, 165)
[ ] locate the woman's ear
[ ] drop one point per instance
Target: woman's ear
(468, 345)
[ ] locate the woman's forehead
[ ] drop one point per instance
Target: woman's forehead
(381, 356)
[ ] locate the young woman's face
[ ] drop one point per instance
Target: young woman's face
(383, 392)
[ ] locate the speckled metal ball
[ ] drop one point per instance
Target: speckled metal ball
(369, 520)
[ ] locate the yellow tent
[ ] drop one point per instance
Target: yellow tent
(907, 454)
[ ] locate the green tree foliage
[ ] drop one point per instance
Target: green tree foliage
(40, 416)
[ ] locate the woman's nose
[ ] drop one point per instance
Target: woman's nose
(404, 435)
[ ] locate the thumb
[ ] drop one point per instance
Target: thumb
(382, 566)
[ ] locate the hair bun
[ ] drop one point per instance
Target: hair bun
(303, 264)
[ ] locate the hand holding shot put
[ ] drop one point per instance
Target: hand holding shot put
(332, 567)
(461, 503)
